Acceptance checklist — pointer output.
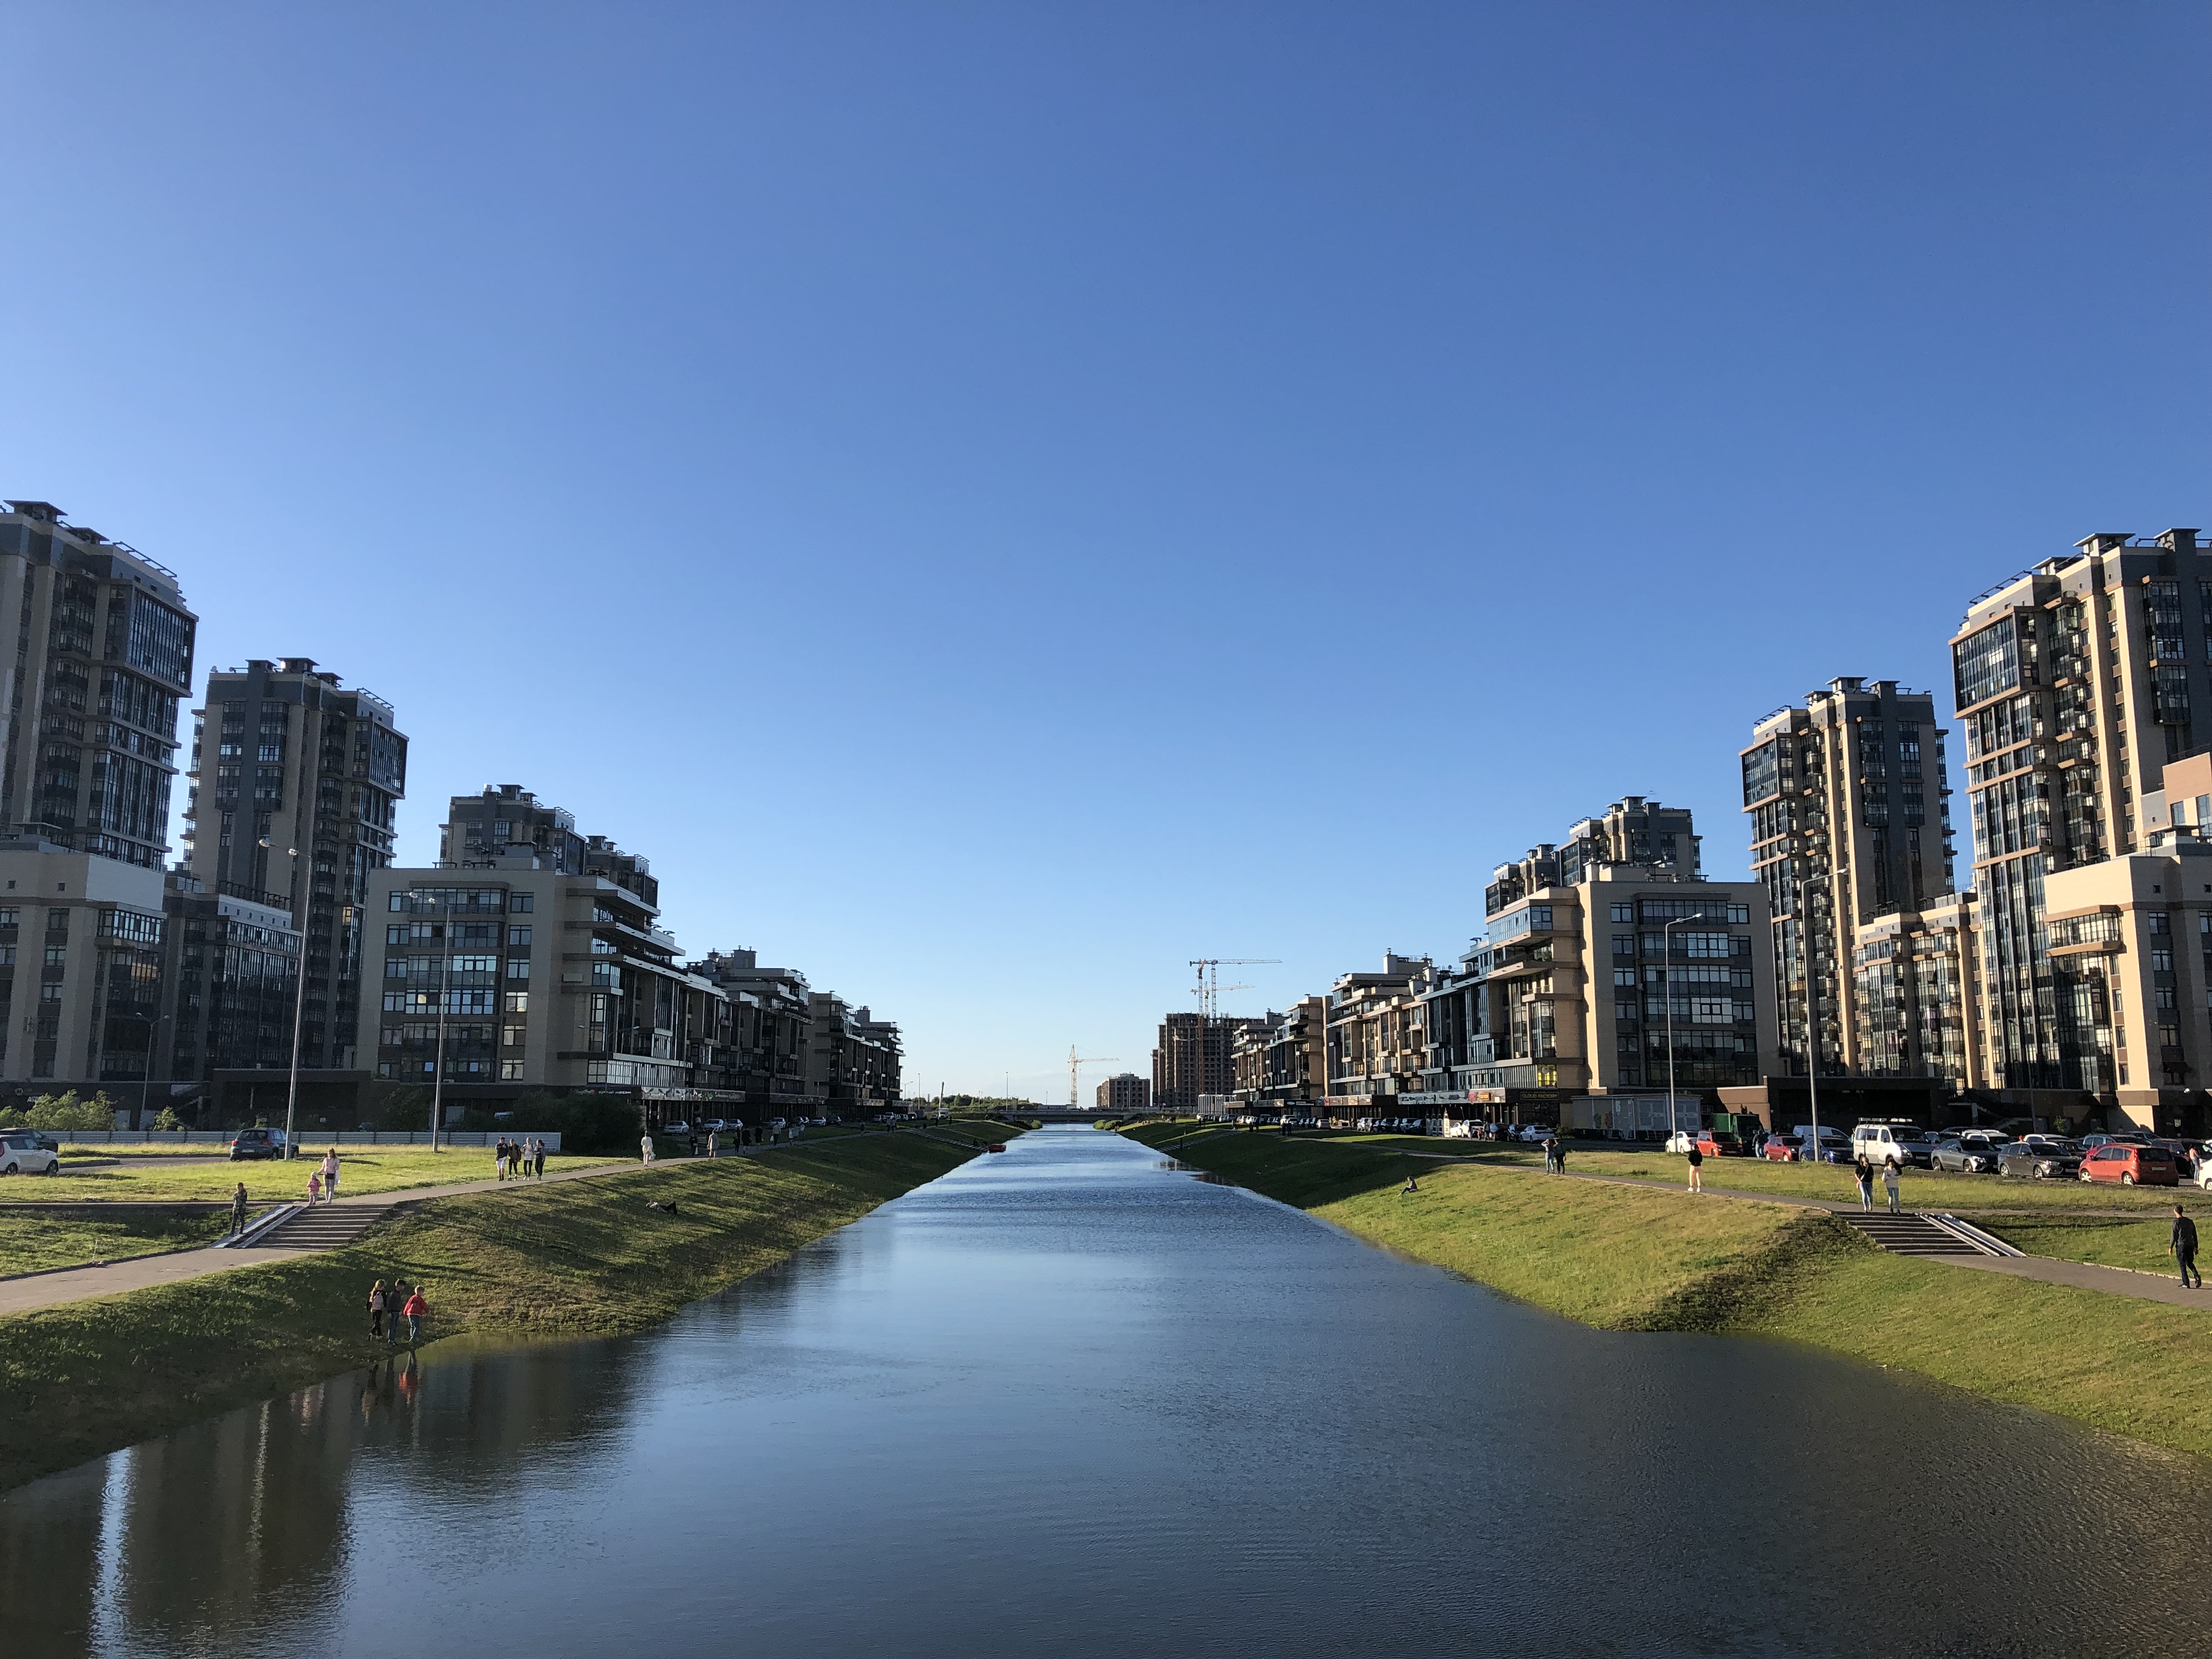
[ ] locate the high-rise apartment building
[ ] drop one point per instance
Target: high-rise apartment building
(1196, 1056)
(228, 974)
(2076, 682)
(1849, 821)
(507, 817)
(295, 781)
(89, 719)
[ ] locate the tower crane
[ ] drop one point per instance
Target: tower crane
(1074, 1060)
(1208, 989)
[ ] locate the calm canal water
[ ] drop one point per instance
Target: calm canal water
(1068, 1401)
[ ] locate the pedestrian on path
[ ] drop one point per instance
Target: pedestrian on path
(1558, 1156)
(503, 1156)
(1864, 1170)
(331, 1172)
(238, 1210)
(376, 1310)
(645, 1146)
(416, 1310)
(1889, 1186)
(314, 1188)
(1696, 1168)
(2184, 1246)
(537, 1158)
(1551, 1154)
(713, 1143)
(392, 1300)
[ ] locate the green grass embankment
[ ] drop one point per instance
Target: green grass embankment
(32, 1242)
(582, 1258)
(1625, 1258)
(361, 1169)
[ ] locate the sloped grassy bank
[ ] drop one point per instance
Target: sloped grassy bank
(1623, 1259)
(586, 1258)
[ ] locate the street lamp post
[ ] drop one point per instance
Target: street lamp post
(146, 1083)
(299, 1004)
(1666, 979)
(438, 1066)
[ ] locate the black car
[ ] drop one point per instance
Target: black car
(1971, 1153)
(257, 1142)
(2040, 1160)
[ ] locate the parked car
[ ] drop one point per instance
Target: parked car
(1974, 1151)
(1884, 1143)
(679, 1127)
(22, 1154)
(2039, 1158)
(2131, 1165)
(256, 1143)
(1835, 1144)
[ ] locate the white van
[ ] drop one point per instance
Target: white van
(1884, 1143)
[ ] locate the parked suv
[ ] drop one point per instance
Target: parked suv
(256, 1143)
(1972, 1151)
(22, 1152)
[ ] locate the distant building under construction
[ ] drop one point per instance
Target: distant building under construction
(1196, 1055)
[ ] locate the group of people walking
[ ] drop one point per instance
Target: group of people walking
(387, 1308)
(517, 1159)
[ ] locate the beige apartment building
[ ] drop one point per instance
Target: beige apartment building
(1376, 1031)
(2077, 683)
(1849, 821)
(81, 939)
(1123, 1093)
(1195, 1057)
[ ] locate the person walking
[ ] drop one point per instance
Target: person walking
(537, 1158)
(376, 1310)
(1864, 1170)
(2183, 1244)
(331, 1173)
(392, 1300)
(713, 1143)
(645, 1147)
(1697, 1168)
(314, 1188)
(416, 1310)
(238, 1210)
(1889, 1185)
(502, 1156)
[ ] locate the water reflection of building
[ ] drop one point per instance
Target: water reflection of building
(252, 1522)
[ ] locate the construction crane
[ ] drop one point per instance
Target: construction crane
(1209, 988)
(1074, 1060)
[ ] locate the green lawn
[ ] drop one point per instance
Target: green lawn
(361, 1169)
(1629, 1257)
(2107, 1241)
(581, 1258)
(32, 1243)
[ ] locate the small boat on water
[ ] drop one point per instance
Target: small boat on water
(994, 1149)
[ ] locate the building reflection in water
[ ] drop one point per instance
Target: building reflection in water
(267, 1494)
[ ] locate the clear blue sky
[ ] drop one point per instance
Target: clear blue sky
(998, 500)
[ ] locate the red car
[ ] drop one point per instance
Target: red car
(2131, 1165)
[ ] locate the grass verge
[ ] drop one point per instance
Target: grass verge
(361, 1169)
(32, 1243)
(1622, 1258)
(583, 1258)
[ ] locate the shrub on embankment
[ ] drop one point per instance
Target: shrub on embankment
(1629, 1258)
(582, 1257)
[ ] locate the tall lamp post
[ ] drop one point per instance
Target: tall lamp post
(438, 1066)
(299, 1006)
(146, 1084)
(1667, 971)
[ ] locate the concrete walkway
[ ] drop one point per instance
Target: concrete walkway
(51, 1289)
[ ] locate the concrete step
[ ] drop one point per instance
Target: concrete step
(1907, 1235)
(323, 1228)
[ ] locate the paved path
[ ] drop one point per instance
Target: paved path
(81, 1284)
